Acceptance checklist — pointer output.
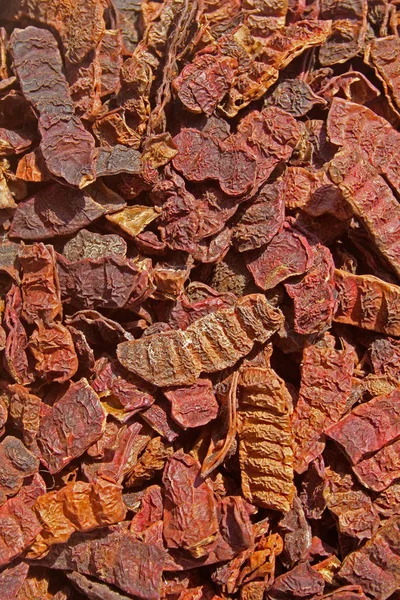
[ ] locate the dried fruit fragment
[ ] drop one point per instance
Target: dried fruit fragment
(19, 528)
(194, 405)
(325, 388)
(348, 30)
(190, 516)
(367, 302)
(210, 344)
(379, 471)
(74, 422)
(16, 463)
(369, 427)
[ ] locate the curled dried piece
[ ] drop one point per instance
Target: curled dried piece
(262, 220)
(16, 463)
(372, 201)
(368, 427)
(194, 405)
(190, 515)
(67, 148)
(383, 54)
(61, 438)
(367, 302)
(326, 378)
(376, 566)
(370, 134)
(78, 506)
(349, 25)
(265, 439)
(210, 344)
(288, 254)
(19, 528)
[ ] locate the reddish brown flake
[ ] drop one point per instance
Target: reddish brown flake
(16, 463)
(379, 471)
(384, 355)
(367, 302)
(15, 356)
(325, 389)
(24, 411)
(190, 516)
(12, 580)
(301, 582)
(158, 417)
(372, 201)
(110, 61)
(19, 528)
(313, 296)
(288, 254)
(376, 565)
(383, 53)
(54, 352)
(348, 30)
(210, 344)
(369, 427)
(194, 405)
(74, 422)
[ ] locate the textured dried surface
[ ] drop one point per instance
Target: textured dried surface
(265, 448)
(19, 528)
(210, 344)
(324, 391)
(194, 405)
(73, 423)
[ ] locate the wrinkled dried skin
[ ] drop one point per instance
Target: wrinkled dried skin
(150, 463)
(194, 405)
(24, 411)
(296, 533)
(210, 344)
(16, 463)
(116, 557)
(78, 506)
(16, 358)
(288, 254)
(357, 127)
(265, 448)
(158, 417)
(54, 352)
(369, 427)
(92, 589)
(301, 582)
(388, 502)
(19, 528)
(379, 471)
(84, 85)
(86, 244)
(12, 580)
(202, 84)
(372, 201)
(80, 24)
(383, 54)
(326, 378)
(32, 167)
(74, 423)
(110, 61)
(348, 30)
(190, 516)
(313, 296)
(41, 298)
(367, 302)
(384, 354)
(295, 97)
(376, 566)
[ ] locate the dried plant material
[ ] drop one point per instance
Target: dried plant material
(371, 425)
(194, 405)
(19, 528)
(24, 412)
(190, 516)
(12, 580)
(383, 55)
(287, 254)
(210, 344)
(152, 461)
(376, 565)
(86, 244)
(78, 506)
(134, 219)
(17, 462)
(325, 389)
(349, 26)
(301, 582)
(60, 438)
(15, 356)
(380, 470)
(265, 447)
(367, 302)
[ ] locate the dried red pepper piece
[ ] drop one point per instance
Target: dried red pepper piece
(194, 405)
(19, 529)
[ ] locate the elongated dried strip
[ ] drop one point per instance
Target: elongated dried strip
(372, 201)
(74, 423)
(379, 471)
(383, 54)
(78, 506)
(325, 388)
(210, 344)
(265, 447)
(67, 148)
(357, 127)
(369, 427)
(376, 566)
(19, 527)
(367, 302)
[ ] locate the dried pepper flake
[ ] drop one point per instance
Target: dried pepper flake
(194, 405)
(19, 528)
(74, 422)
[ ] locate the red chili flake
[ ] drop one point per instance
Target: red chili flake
(194, 405)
